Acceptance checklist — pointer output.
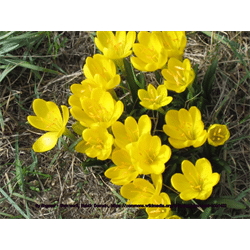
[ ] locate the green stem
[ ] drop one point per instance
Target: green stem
(120, 64)
(161, 110)
(69, 134)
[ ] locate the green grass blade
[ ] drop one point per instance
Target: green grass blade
(7, 70)
(1, 120)
(26, 198)
(18, 165)
(6, 35)
(13, 204)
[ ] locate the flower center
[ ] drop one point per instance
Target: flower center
(217, 135)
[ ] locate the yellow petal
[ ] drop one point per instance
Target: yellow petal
(144, 124)
(180, 182)
(178, 144)
(190, 171)
(189, 194)
(157, 181)
(131, 36)
(40, 108)
(65, 112)
(46, 142)
(81, 147)
(131, 128)
(40, 123)
(172, 118)
(138, 63)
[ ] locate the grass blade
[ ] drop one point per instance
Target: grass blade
(13, 204)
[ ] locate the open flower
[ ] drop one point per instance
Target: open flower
(174, 41)
(154, 98)
(197, 181)
(130, 131)
(102, 71)
(218, 134)
(48, 118)
(100, 109)
(97, 142)
(163, 210)
(179, 75)
(150, 52)
(185, 128)
(116, 46)
(142, 192)
(124, 171)
(81, 90)
(148, 156)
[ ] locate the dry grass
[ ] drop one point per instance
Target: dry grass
(63, 180)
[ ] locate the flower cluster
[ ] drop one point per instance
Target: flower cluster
(130, 138)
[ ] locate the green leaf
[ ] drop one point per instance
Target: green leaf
(206, 213)
(18, 165)
(158, 77)
(7, 70)
(240, 196)
(24, 64)
(13, 204)
(221, 165)
(230, 203)
(141, 79)
(133, 84)
(35, 161)
(169, 173)
(208, 80)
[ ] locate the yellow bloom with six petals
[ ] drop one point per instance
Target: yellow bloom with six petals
(185, 128)
(150, 52)
(218, 134)
(154, 98)
(48, 118)
(148, 156)
(174, 41)
(97, 142)
(100, 109)
(102, 71)
(116, 46)
(142, 192)
(130, 131)
(197, 181)
(81, 90)
(124, 171)
(179, 75)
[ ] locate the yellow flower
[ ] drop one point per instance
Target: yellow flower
(159, 212)
(48, 118)
(150, 52)
(154, 98)
(179, 75)
(185, 128)
(116, 46)
(141, 191)
(197, 181)
(102, 71)
(124, 172)
(148, 156)
(130, 131)
(97, 142)
(100, 109)
(81, 90)
(174, 41)
(218, 134)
